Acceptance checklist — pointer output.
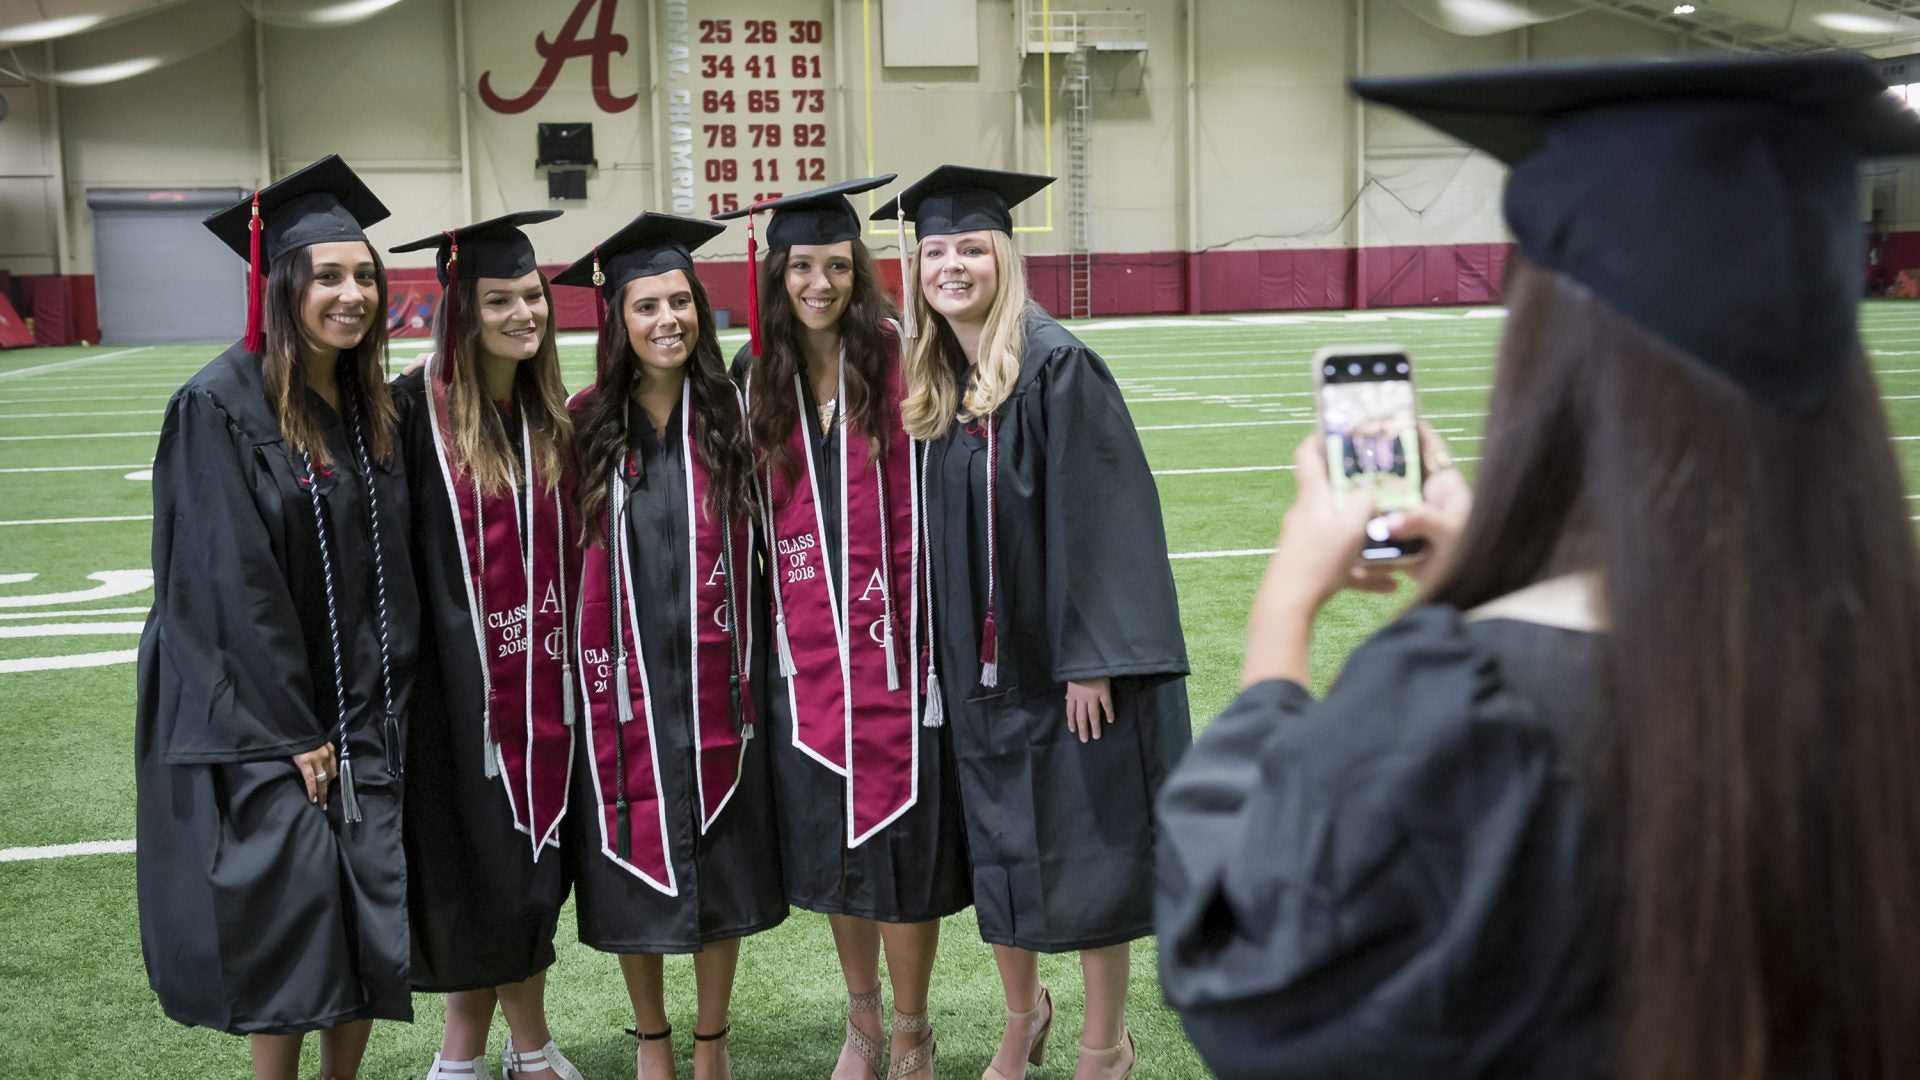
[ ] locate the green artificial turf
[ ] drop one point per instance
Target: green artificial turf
(71, 978)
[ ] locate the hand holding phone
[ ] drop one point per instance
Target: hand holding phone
(1371, 426)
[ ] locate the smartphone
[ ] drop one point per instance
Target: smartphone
(1372, 430)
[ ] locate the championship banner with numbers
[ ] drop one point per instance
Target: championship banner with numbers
(745, 95)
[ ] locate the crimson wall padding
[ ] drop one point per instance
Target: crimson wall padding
(1432, 274)
(63, 308)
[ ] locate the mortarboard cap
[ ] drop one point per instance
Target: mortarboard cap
(820, 216)
(494, 248)
(960, 198)
(648, 245)
(1714, 202)
(324, 203)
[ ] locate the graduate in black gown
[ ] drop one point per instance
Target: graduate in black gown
(870, 823)
(276, 667)
(1056, 627)
(487, 444)
(674, 846)
(1630, 793)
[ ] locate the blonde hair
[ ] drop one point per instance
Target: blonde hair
(933, 400)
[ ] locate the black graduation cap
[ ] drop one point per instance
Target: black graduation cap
(820, 216)
(492, 248)
(649, 244)
(960, 198)
(1713, 201)
(324, 203)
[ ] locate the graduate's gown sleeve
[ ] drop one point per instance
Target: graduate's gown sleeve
(1111, 607)
(1393, 882)
(231, 661)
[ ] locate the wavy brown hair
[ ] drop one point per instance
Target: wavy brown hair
(361, 370)
(480, 441)
(1754, 781)
(870, 342)
(719, 433)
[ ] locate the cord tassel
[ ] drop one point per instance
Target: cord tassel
(989, 653)
(492, 762)
(396, 747)
(907, 284)
(349, 796)
(893, 662)
(935, 713)
(256, 340)
(450, 309)
(622, 843)
(566, 694)
(787, 667)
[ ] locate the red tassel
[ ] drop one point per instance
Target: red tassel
(753, 288)
(989, 653)
(450, 298)
(256, 339)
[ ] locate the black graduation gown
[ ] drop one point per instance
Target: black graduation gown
(260, 912)
(916, 869)
(484, 910)
(1397, 881)
(729, 879)
(1060, 833)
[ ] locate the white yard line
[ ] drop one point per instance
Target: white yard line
(71, 468)
(68, 663)
(70, 614)
(66, 851)
(79, 520)
(78, 361)
(86, 435)
(68, 415)
(71, 629)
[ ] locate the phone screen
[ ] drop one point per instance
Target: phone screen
(1371, 426)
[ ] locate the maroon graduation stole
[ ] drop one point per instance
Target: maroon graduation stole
(622, 721)
(517, 605)
(849, 645)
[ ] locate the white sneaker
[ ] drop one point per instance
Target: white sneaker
(476, 1069)
(546, 1058)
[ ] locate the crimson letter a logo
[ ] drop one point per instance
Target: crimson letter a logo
(603, 46)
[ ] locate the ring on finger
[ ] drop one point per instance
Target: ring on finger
(319, 777)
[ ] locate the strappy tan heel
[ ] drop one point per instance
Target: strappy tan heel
(1037, 1049)
(859, 1041)
(921, 1056)
(1122, 1049)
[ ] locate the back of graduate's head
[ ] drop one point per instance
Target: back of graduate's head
(311, 292)
(842, 274)
(1762, 590)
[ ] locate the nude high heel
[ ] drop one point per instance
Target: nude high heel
(1036, 1050)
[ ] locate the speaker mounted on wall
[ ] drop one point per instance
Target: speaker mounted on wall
(566, 184)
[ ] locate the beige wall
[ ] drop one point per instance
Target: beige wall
(1268, 159)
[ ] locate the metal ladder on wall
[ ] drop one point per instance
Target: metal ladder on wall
(1079, 87)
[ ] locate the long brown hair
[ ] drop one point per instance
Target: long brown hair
(719, 435)
(1755, 779)
(361, 373)
(480, 441)
(867, 339)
